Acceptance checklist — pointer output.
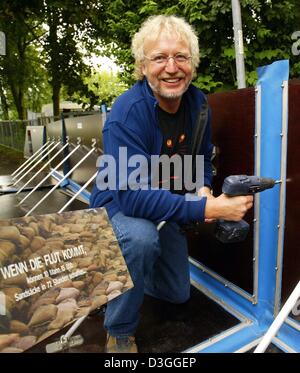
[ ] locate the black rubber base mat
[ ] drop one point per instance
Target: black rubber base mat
(10, 208)
(272, 349)
(167, 327)
(6, 182)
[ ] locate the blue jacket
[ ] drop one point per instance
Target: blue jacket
(133, 123)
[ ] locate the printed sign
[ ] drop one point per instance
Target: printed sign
(54, 269)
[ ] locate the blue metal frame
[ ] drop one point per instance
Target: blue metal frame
(76, 187)
(72, 185)
(260, 315)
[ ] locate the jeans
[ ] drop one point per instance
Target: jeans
(158, 265)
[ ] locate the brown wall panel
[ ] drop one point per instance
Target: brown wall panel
(291, 254)
(233, 126)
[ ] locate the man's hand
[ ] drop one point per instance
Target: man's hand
(228, 208)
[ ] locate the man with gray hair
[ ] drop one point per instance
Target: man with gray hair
(159, 115)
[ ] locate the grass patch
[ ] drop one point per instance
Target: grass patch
(10, 160)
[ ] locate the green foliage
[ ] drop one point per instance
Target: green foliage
(207, 83)
(39, 91)
(70, 29)
(20, 23)
(105, 86)
(267, 29)
(47, 40)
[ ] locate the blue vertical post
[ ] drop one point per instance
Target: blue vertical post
(103, 113)
(271, 78)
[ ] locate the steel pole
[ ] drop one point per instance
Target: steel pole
(238, 43)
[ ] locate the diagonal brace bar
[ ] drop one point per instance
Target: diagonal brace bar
(46, 177)
(77, 193)
(63, 179)
(34, 160)
(37, 163)
(279, 320)
(34, 155)
(41, 169)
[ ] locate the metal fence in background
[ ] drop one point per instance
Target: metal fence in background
(12, 134)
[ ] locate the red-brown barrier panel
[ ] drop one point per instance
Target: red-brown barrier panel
(291, 254)
(233, 127)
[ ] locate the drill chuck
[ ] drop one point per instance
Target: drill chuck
(242, 185)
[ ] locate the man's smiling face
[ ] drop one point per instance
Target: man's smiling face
(168, 81)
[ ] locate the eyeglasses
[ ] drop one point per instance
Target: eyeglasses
(162, 60)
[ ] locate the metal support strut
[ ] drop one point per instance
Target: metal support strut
(33, 159)
(66, 340)
(279, 320)
(51, 173)
(30, 158)
(37, 163)
(64, 178)
(41, 169)
(77, 193)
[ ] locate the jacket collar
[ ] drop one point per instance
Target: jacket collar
(148, 92)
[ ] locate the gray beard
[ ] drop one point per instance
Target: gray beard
(169, 95)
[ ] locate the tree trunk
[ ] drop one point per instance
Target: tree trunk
(53, 50)
(21, 110)
(18, 96)
(55, 98)
(16, 83)
(4, 104)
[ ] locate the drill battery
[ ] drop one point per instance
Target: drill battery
(226, 232)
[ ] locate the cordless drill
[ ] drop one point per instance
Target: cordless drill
(240, 185)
